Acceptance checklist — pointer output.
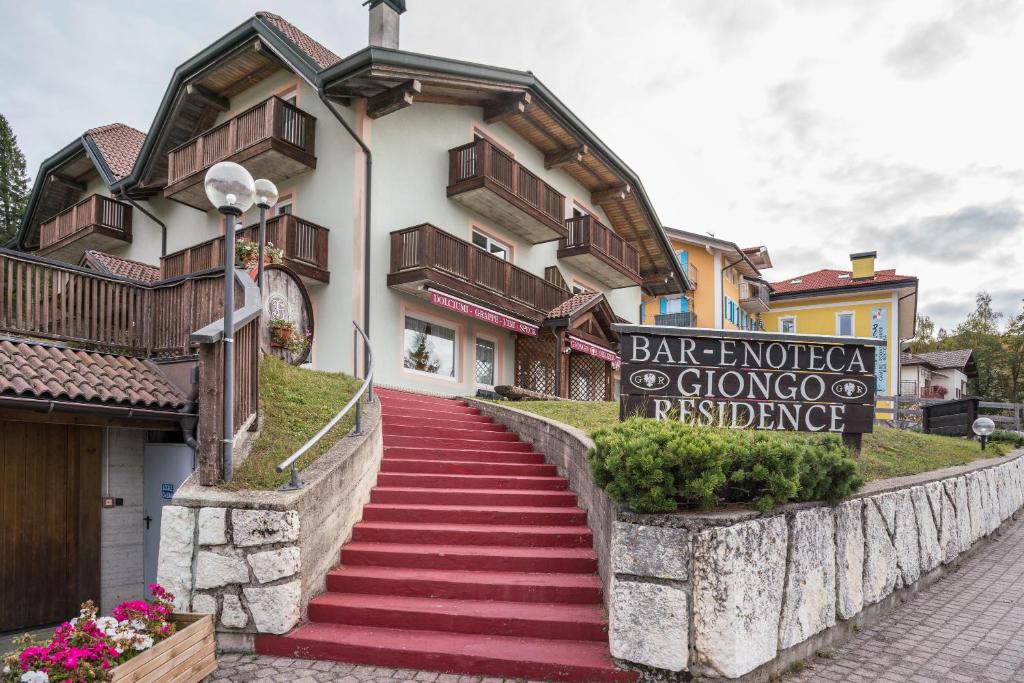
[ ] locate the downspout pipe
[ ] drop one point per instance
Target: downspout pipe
(366, 218)
(163, 226)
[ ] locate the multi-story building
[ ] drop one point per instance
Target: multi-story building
(728, 291)
(937, 374)
(860, 302)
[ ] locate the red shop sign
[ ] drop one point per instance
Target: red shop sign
(581, 346)
(472, 310)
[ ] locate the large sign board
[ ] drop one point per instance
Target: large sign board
(757, 380)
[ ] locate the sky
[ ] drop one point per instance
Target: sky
(815, 127)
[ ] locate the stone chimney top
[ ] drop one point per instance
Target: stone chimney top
(384, 22)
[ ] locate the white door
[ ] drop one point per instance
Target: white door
(165, 467)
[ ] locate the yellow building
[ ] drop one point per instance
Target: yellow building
(728, 290)
(860, 302)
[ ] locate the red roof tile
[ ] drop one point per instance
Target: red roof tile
(119, 145)
(572, 304)
(122, 267)
(828, 278)
(313, 49)
(44, 371)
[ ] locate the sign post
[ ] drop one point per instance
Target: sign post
(756, 380)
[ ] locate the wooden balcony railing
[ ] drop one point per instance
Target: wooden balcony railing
(589, 233)
(272, 119)
(94, 212)
(934, 391)
(692, 274)
(428, 247)
(44, 299)
(484, 162)
(305, 246)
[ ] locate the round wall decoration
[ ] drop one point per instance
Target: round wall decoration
(286, 329)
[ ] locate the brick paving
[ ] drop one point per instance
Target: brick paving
(967, 627)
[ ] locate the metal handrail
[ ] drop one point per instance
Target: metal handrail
(367, 385)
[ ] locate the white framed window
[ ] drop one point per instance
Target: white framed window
(577, 288)
(787, 324)
(677, 305)
(284, 205)
(430, 348)
(492, 246)
(291, 96)
(844, 324)
(486, 358)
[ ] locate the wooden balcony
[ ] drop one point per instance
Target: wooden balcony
(96, 222)
(273, 140)
(595, 249)
(753, 297)
(426, 255)
(304, 243)
(492, 183)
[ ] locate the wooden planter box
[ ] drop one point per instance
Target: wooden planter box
(189, 656)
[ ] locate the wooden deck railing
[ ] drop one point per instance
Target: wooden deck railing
(426, 246)
(587, 231)
(94, 210)
(302, 241)
(483, 159)
(49, 300)
(271, 119)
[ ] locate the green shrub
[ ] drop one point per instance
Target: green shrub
(655, 466)
(1013, 438)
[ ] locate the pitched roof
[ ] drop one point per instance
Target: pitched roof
(828, 278)
(959, 358)
(119, 145)
(572, 304)
(122, 267)
(321, 55)
(44, 371)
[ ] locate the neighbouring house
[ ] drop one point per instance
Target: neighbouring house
(859, 302)
(728, 291)
(937, 374)
(493, 240)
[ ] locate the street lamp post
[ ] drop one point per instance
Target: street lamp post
(230, 188)
(266, 197)
(983, 427)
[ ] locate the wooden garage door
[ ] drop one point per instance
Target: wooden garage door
(49, 521)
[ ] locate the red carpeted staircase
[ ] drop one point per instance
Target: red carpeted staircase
(471, 558)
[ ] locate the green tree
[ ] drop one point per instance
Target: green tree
(13, 182)
(1013, 348)
(980, 332)
(925, 339)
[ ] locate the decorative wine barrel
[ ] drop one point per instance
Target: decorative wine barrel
(286, 329)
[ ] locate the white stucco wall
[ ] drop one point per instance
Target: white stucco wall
(122, 541)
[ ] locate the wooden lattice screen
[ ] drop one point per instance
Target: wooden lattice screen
(535, 363)
(588, 379)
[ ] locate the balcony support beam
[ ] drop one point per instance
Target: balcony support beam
(565, 157)
(506, 108)
(207, 97)
(67, 182)
(616, 193)
(393, 99)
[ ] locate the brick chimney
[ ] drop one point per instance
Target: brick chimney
(863, 265)
(384, 21)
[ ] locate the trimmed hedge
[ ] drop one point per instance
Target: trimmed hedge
(659, 465)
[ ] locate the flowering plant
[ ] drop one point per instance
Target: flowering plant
(284, 335)
(88, 647)
(248, 253)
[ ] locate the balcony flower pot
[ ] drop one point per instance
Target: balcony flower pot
(190, 655)
(281, 333)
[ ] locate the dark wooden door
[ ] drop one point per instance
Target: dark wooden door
(49, 522)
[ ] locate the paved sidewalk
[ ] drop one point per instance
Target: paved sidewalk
(969, 626)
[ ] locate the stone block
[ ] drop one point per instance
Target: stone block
(956, 491)
(849, 558)
(260, 527)
(213, 526)
(738, 576)
(204, 603)
(274, 564)
(880, 569)
(942, 510)
(809, 599)
(214, 569)
(905, 539)
(233, 615)
(174, 564)
(927, 529)
(643, 550)
(992, 520)
(649, 624)
(274, 609)
(976, 507)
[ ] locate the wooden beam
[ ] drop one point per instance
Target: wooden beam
(393, 99)
(610, 194)
(507, 107)
(565, 157)
(207, 96)
(67, 182)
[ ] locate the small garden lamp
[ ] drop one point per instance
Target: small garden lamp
(983, 427)
(230, 188)
(266, 197)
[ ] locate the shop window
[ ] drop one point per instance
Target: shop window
(491, 246)
(485, 362)
(844, 324)
(429, 348)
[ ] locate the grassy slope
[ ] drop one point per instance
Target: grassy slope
(886, 453)
(296, 404)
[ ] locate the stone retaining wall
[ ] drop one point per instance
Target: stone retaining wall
(254, 559)
(733, 593)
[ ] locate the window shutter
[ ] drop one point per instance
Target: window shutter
(643, 312)
(663, 305)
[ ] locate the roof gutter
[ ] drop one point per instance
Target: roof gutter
(45, 405)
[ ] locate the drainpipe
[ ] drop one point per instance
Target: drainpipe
(163, 226)
(366, 218)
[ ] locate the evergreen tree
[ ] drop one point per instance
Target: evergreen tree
(13, 183)
(980, 332)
